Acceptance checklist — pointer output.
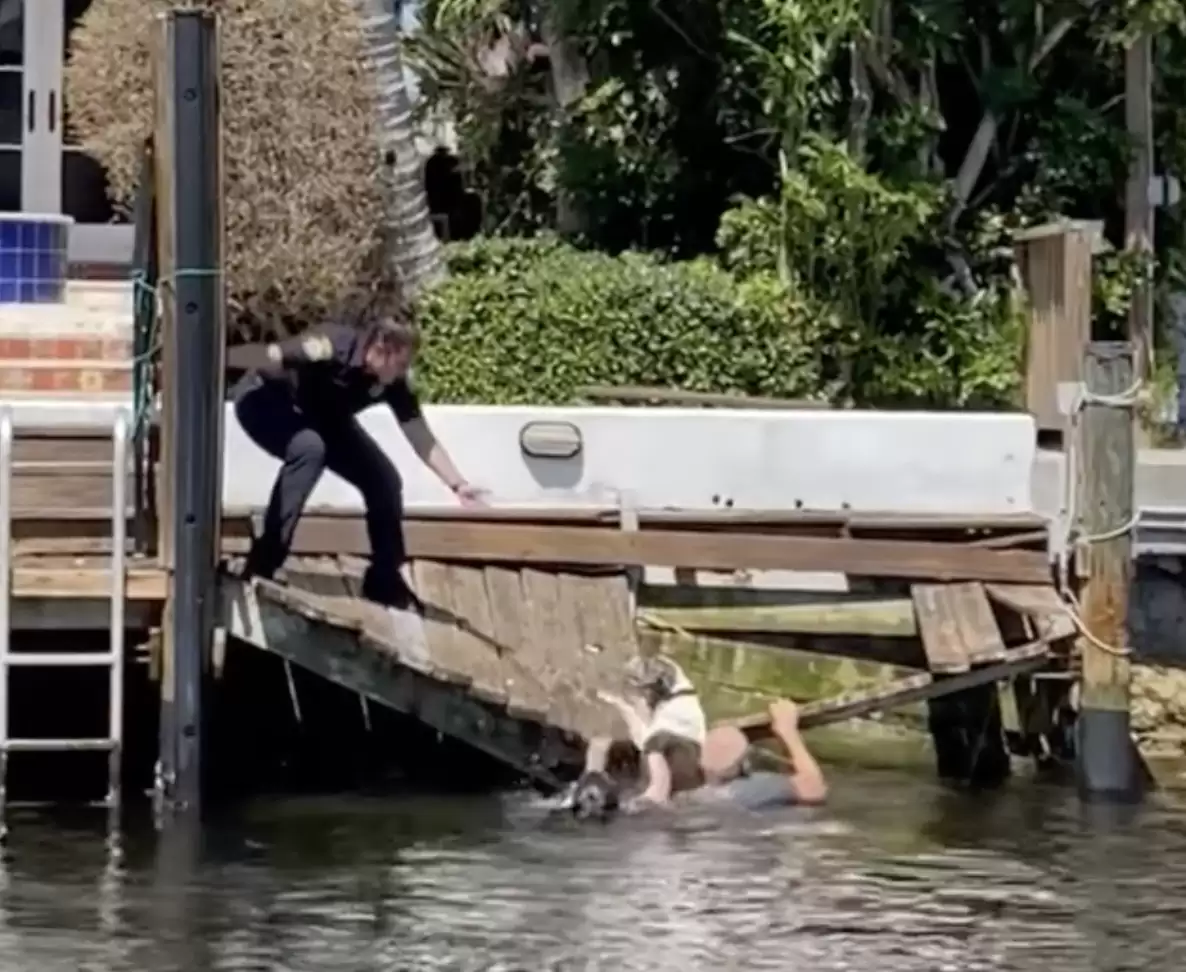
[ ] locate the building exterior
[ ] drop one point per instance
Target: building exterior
(40, 170)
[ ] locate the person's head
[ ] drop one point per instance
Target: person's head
(392, 344)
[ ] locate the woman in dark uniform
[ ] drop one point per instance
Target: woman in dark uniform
(299, 402)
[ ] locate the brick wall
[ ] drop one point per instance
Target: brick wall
(79, 348)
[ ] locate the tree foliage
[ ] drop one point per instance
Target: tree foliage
(876, 155)
(530, 321)
(304, 178)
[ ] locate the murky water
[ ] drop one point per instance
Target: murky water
(897, 874)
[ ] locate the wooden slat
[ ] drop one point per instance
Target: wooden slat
(44, 488)
(977, 624)
(939, 628)
(894, 618)
(449, 646)
(84, 529)
(65, 582)
(722, 551)
(480, 653)
(61, 445)
(385, 626)
(541, 606)
(551, 648)
(1035, 539)
(905, 691)
(510, 628)
(610, 640)
(1041, 603)
(576, 677)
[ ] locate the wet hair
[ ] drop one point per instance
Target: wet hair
(594, 797)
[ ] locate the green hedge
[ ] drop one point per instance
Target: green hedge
(531, 320)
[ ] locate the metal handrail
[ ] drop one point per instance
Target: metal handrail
(121, 435)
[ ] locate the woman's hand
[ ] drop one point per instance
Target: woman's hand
(469, 495)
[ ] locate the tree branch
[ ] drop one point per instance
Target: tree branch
(975, 158)
(875, 49)
(861, 107)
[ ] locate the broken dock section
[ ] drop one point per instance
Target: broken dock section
(507, 655)
(506, 660)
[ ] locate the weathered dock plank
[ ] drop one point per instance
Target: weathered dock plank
(513, 643)
(939, 629)
(84, 579)
(977, 624)
(1041, 604)
(454, 646)
(890, 618)
(905, 691)
(295, 626)
(71, 521)
(957, 626)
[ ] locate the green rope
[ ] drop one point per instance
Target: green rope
(145, 339)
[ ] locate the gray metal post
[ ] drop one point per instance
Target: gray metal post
(6, 447)
(197, 391)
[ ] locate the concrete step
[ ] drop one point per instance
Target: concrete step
(81, 376)
(82, 346)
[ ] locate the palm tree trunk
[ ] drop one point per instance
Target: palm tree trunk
(413, 250)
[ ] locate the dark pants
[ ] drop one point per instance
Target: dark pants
(274, 423)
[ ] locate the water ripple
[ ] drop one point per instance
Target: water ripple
(896, 876)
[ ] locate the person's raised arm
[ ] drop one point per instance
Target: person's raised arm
(406, 407)
(309, 347)
(806, 775)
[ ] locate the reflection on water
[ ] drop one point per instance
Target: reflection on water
(896, 875)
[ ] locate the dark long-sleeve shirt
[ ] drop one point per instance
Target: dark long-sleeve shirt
(325, 369)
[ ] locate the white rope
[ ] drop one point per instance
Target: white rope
(1073, 540)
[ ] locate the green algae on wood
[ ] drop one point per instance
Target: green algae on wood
(884, 618)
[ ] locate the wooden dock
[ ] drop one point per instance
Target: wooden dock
(506, 660)
(528, 613)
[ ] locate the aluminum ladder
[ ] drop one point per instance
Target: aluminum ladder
(111, 659)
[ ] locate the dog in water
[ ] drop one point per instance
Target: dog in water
(594, 796)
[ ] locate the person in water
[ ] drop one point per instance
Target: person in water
(730, 773)
(667, 728)
(299, 402)
(679, 756)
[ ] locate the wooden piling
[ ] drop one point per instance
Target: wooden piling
(1104, 496)
(189, 181)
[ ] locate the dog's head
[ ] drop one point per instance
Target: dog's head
(594, 797)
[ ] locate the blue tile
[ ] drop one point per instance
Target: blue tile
(33, 262)
(10, 265)
(44, 266)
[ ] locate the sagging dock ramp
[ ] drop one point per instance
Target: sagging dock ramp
(507, 660)
(509, 653)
